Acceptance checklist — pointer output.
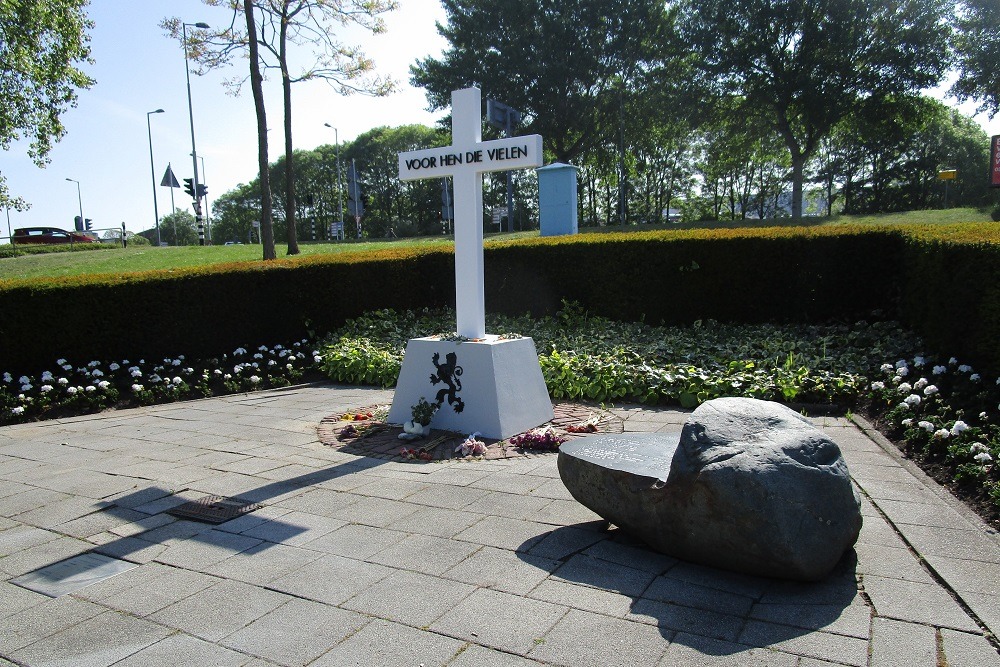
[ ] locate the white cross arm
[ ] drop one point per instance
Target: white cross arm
(476, 158)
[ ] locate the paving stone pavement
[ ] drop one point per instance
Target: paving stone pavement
(360, 561)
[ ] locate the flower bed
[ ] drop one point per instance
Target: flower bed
(67, 389)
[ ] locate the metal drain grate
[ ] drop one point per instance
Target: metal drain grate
(214, 509)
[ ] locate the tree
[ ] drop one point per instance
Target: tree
(41, 43)
(178, 228)
(569, 66)
(278, 24)
(257, 86)
(977, 46)
(811, 63)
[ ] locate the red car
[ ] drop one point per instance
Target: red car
(51, 235)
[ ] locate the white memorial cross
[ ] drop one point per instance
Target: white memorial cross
(466, 160)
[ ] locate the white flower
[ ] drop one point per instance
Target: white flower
(103, 384)
(983, 457)
(272, 362)
(937, 370)
(978, 447)
(238, 368)
(926, 425)
(262, 348)
(930, 390)
(177, 380)
(17, 410)
(258, 356)
(289, 367)
(175, 362)
(188, 371)
(876, 386)
(254, 379)
(67, 367)
(154, 378)
(97, 372)
(255, 365)
(227, 376)
(180, 357)
(283, 354)
(71, 390)
(952, 361)
(26, 387)
(137, 388)
(47, 376)
(113, 366)
(318, 359)
(907, 422)
(901, 363)
(902, 372)
(904, 388)
(60, 362)
(135, 372)
(959, 426)
(63, 381)
(90, 388)
(93, 364)
(983, 415)
(918, 361)
(941, 434)
(45, 388)
(974, 377)
(886, 368)
(24, 379)
(8, 378)
(920, 384)
(239, 351)
(217, 372)
(903, 406)
(279, 347)
(964, 368)
(912, 400)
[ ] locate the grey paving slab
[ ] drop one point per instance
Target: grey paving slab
(39, 621)
(822, 645)
(688, 650)
(180, 649)
(96, 642)
(917, 603)
(505, 533)
(386, 644)
(425, 553)
(410, 598)
(500, 620)
(480, 656)
(901, 644)
(72, 574)
(425, 557)
(220, 610)
(583, 639)
(148, 588)
(296, 633)
(967, 650)
(504, 570)
(331, 579)
(356, 541)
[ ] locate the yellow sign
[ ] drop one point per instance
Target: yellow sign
(948, 174)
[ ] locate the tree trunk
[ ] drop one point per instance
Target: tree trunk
(286, 92)
(798, 171)
(266, 225)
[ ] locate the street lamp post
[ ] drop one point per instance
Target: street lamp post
(340, 208)
(194, 151)
(79, 199)
(152, 171)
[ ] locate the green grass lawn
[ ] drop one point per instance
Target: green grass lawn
(149, 258)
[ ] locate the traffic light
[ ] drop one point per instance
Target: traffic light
(77, 223)
(202, 190)
(189, 187)
(87, 223)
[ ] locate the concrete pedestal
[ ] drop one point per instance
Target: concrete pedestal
(492, 386)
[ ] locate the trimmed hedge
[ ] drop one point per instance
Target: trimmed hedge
(939, 280)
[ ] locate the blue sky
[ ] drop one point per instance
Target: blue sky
(139, 69)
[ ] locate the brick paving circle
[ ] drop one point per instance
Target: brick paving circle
(374, 438)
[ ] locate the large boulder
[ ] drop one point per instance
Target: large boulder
(747, 485)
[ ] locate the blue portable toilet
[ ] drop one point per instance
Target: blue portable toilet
(557, 203)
